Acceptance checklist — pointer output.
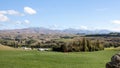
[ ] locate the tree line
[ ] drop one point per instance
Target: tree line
(83, 45)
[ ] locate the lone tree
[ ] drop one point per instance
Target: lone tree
(84, 44)
(64, 47)
(99, 46)
(89, 45)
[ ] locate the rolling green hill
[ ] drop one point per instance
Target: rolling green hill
(36, 59)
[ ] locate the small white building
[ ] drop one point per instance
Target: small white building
(26, 48)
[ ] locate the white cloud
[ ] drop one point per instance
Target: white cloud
(84, 27)
(26, 21)
(29, 10)
(3, 12)
(22, 22)
(54, 26)
(116, 21)
(66, 27)
(117, 29)
(11, 12)
(3, 18)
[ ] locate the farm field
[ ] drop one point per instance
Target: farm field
(36, 59)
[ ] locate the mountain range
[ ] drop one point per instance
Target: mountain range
(42, 30)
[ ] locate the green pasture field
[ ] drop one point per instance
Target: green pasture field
(37, 59)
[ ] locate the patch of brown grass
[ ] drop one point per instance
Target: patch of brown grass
(3, 47)
(112, 48)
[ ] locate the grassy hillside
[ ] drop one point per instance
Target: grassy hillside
(36, 59)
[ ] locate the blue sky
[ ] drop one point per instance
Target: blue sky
(60, 14)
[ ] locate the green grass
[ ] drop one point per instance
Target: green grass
(64, 40)
(36, 59)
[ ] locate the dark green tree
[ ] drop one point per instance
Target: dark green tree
(64, 47)
(84, 44)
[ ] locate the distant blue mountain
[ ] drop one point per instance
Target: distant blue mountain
(71, 30)
(50, 31)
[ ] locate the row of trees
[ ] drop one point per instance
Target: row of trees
(79, 45)
(72, 46)
(20, 43)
